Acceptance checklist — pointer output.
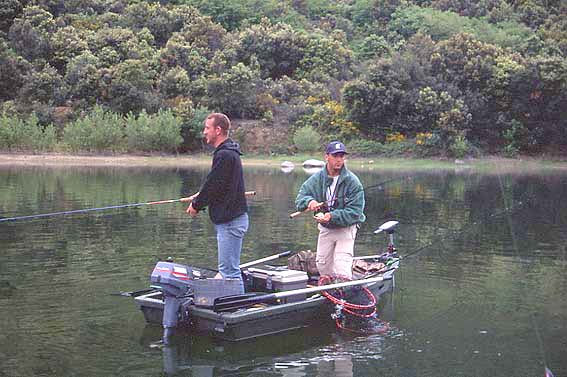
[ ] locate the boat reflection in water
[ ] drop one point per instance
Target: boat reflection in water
(314, 351)
(322, 354)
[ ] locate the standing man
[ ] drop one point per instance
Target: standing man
(223, 193)
(338, 197)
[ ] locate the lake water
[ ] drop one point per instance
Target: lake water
(481, 291)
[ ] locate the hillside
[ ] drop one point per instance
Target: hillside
(389, 77)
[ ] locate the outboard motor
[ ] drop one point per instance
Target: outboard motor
(174, 280)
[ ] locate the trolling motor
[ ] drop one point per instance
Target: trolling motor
(388, 228)
(174, 281)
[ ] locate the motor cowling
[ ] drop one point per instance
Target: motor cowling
(174, 280)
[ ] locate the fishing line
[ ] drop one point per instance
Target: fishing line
(459, 233)
(185, 200)
(535, 326)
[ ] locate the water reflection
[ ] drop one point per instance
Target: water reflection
(283, 355)
(481, 293)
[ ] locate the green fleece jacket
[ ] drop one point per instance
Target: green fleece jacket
(349, 207)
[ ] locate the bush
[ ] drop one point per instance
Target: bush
(306, 139)
(98, 131)
(26, 134)
(365, 147)
(459, 146)
(159, 132)
(193, 130)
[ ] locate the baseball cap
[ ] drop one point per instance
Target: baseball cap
(335, 147)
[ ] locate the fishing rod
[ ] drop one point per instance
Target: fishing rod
(183, 200)
(327, 202)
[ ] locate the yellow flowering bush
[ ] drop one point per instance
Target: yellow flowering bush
(395, 137)
(422, 137)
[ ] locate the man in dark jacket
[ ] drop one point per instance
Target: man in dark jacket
(223, 193)
(336, 195)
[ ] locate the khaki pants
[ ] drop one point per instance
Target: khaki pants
(335, 250)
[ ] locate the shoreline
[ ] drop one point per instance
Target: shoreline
(118, 160)
(63, 160)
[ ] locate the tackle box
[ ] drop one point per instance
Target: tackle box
(276, 279)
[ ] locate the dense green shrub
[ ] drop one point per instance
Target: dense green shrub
(365, 147)
(442, 25)
(96, 132)
(158, 132)
(25, 134)
(306, 139)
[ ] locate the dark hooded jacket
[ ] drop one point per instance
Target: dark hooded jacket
(223, 190)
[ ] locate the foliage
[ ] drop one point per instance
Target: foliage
(514, 136)
(192, 127)
(9, 9)
(462, 71)
(276, 48)
(459, 146)
(158, 132)
(13, 70)
(25, 134)
(441, 25)
(365, 147)
(82, 78)
(174, 82)
(325, 58)
(374, 46)
(234, 91)
(328, 118)
(29, 34)
(45, 86)
(131, 87)
(306, 139)
(97, 131)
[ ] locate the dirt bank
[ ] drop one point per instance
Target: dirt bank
(67, 160)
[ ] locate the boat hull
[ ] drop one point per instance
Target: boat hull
(251, 322)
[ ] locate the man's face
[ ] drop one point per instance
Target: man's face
(210, 132)
(335, 162)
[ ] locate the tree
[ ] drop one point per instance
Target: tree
(9, 9)
(174, 82)
(66, 44)
(234, 91)
(13, 69)
(465, 61)
(131, 87)
(30, 34)
(45, 86)
(277, 48)
(82, 77)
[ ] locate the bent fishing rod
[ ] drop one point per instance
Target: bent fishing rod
(183, 200)
(326, 202)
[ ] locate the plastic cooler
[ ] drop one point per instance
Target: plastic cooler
(277, 279)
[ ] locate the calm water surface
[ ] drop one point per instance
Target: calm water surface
(481, 292)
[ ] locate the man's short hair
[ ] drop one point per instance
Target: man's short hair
(220, 120)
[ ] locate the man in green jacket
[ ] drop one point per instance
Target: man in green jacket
(336, 196)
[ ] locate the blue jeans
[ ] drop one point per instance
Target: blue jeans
(229, 241)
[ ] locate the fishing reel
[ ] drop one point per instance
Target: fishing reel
(322, 210)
